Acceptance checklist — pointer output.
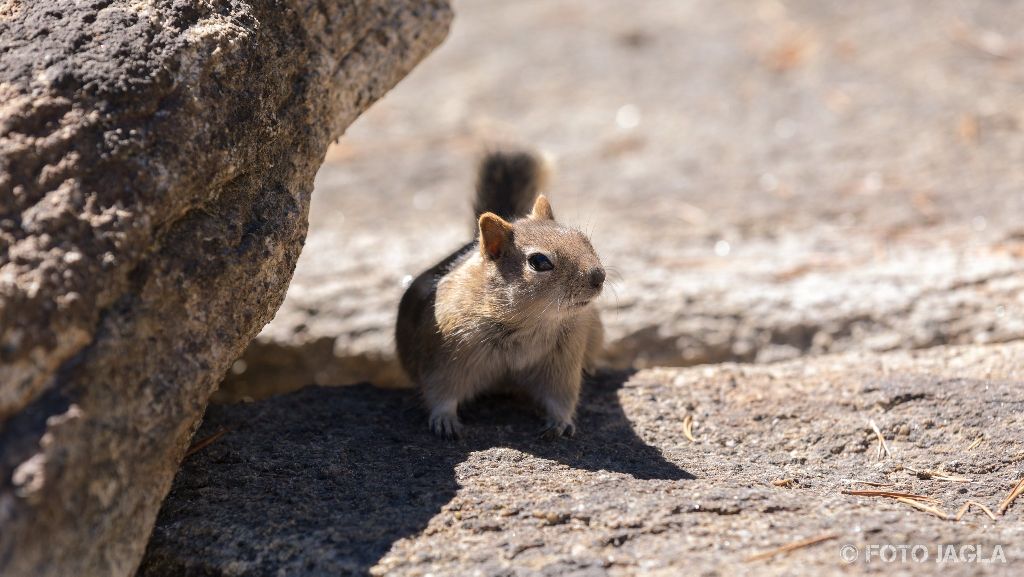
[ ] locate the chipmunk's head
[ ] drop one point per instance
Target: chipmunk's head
(538, 268)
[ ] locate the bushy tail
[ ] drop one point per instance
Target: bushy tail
(509, 181)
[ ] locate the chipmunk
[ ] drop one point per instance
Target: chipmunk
(512, 309)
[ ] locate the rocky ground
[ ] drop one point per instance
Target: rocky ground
(334, 481)
(766, 179)
(770, 181)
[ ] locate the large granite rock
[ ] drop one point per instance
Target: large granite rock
(768, 179)
(347, 480)
(156, 162)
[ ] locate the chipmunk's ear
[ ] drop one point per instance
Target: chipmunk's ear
(542, 209)
(495, 234)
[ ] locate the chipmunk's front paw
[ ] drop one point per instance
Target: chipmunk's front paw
(446, 426)
(558, 429)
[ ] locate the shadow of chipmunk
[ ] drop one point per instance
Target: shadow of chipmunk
(323, 481)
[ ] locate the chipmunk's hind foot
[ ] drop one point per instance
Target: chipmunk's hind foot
(558, 429)
(446, 426)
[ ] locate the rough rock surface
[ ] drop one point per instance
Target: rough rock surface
(345, 480)
(769, 179)
(156, 162)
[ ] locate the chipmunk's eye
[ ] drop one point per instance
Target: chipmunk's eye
(539, 262)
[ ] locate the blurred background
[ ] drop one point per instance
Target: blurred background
(767, 178)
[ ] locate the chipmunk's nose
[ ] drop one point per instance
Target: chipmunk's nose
(596, 277)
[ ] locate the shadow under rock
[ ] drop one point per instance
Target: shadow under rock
(323, 481)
